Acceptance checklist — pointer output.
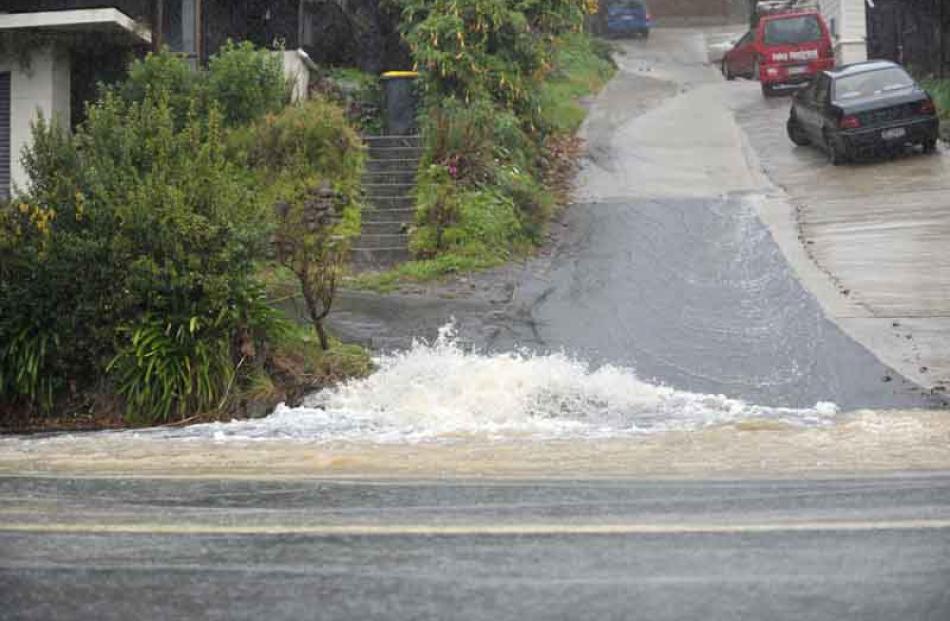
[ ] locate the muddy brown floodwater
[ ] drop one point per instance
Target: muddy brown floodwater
(865, 442)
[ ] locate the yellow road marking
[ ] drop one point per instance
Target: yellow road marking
(480, 529)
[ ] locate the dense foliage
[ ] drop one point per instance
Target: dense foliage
(129, 264)
(500, 84)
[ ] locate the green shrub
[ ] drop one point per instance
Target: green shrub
(501, 82)
(243, 81)
(488, 49)
(167, 73)
(360, 94)
(168, 367)
(246, 82)
(160, 225)
(481, 221)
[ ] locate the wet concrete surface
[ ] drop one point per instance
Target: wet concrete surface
(874, 548)
(662, 265)
(877, 229)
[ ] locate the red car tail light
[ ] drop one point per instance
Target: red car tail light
(849, 122)
(827, 52)
(928, 107)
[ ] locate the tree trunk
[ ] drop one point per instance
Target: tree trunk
(317, 311)
(322, 333)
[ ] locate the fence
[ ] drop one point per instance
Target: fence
(915, 33)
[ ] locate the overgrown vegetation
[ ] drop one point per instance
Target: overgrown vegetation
(501, 83)
(129, 266)
(939, 89)
(357, 92)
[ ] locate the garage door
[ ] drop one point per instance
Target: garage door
(4, 135)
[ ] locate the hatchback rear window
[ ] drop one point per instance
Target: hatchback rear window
(872, 83)
(792, 30)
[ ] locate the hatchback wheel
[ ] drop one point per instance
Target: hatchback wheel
(836, 155)
(796, 133)
(930, 146)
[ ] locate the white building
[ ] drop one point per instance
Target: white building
(35, 73)
(37, 53)
(847, 20)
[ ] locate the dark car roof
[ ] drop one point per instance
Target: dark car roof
(857, 68)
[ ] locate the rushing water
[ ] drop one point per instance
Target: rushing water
(440, 390)
(439, 409)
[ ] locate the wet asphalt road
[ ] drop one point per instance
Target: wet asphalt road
(694, 293)
(864, 549)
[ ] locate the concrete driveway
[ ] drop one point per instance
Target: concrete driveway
(877, 232)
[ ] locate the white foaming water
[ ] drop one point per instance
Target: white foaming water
(440, 391)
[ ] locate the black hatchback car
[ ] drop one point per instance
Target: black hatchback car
(864, 109)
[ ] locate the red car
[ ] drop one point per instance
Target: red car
(784, 51)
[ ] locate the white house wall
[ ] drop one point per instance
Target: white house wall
(40, 86)
(848, 21)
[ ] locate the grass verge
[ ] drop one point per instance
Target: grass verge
(582, 69)
(421, 271)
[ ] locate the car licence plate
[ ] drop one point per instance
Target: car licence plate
(797, 70)
(893, 134)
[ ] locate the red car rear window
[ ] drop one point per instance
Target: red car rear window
(793, 30)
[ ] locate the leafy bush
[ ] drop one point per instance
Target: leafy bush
(246, 82)
(130, 265)
(359, 93)
(169, 367)
(488, 49)
(167, 73)
(501, 82)
(162, 227)
(479, 222)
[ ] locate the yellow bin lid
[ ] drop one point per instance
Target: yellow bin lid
(389, 75)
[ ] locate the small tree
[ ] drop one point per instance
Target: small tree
(307, 241)
(310, 161)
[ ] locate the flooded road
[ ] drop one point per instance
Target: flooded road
(661, 416)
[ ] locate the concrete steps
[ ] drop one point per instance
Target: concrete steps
(388, 185)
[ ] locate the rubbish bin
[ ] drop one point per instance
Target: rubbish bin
(400, 94)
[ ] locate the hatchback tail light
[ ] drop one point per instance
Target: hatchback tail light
(849, 122)
(928, 107)
(827, 52)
